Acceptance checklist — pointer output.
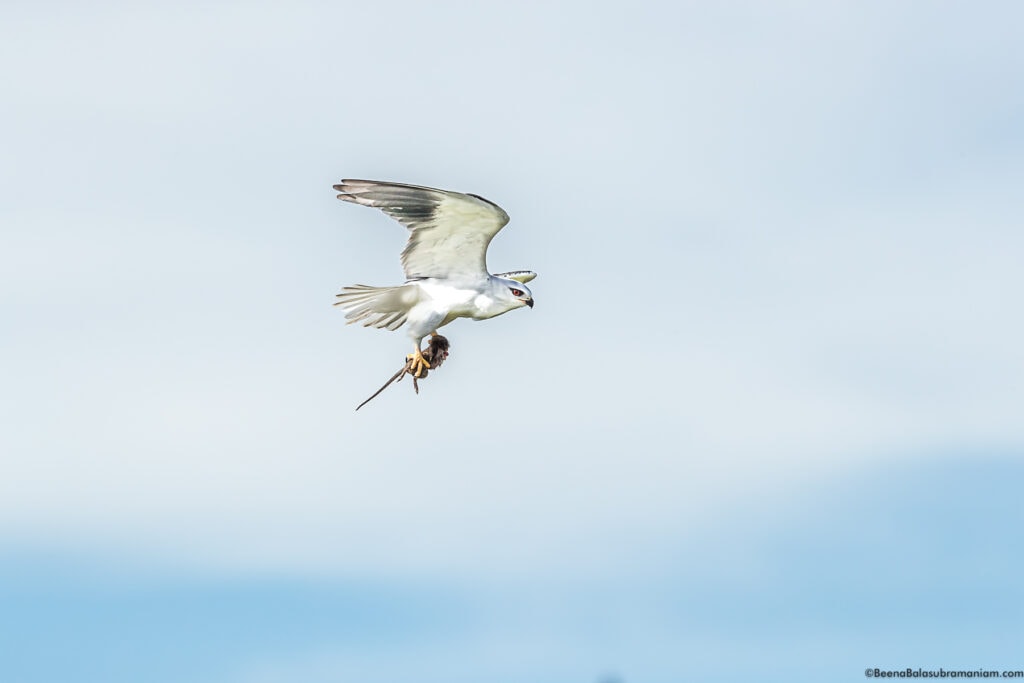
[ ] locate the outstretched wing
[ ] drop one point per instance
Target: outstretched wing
(449, 231)
(523, 276)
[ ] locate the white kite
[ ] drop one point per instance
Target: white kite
(445, 263)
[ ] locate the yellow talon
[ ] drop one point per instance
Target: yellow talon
(419, 363)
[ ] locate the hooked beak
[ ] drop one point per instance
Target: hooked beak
(529, 302)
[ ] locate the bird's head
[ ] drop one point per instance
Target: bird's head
(513, 293)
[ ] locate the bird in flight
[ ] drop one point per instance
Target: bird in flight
(445, 263)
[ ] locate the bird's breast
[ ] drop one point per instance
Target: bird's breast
(461, 301)
(483, 307)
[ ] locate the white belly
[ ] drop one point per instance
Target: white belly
(441, 303)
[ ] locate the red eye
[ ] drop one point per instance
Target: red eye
(517, 292)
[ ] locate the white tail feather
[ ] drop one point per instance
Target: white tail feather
(381, 307)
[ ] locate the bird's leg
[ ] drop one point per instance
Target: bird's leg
(434, 334)
(419, 363)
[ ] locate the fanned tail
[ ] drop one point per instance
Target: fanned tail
(381, 307)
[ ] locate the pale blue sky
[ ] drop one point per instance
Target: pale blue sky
(764, 422)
